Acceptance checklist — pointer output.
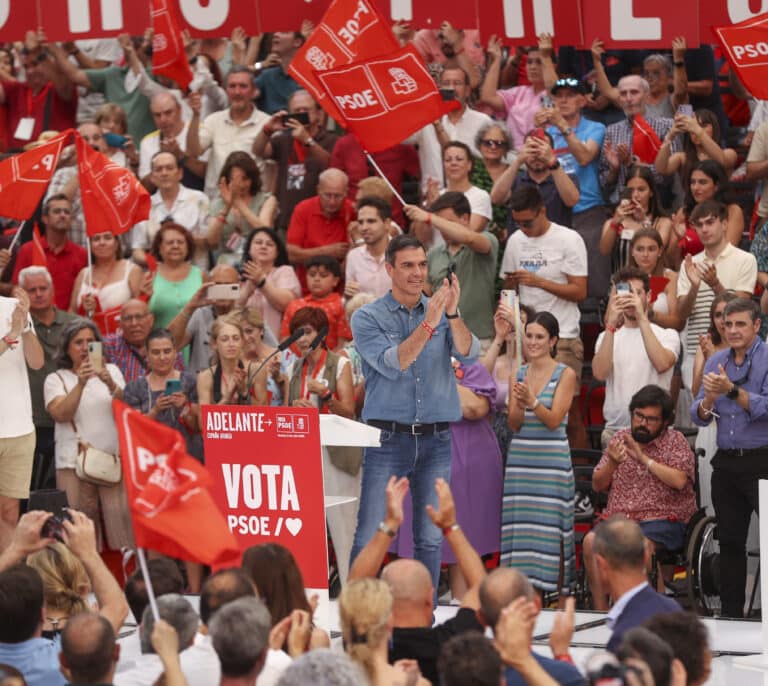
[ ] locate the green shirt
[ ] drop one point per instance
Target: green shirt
(111, 82)
(477, 277)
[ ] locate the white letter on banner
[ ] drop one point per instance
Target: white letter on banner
(738, 10)
(625, 26)
(401, 10)
(5, 10)
(543, 20)
(205, 18)
(79, 15)
(112, 15)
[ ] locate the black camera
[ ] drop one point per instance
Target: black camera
(55, 501)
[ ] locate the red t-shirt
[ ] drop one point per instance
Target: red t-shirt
(64, 267)
(310, 228)
(338, 326)
(20, 103)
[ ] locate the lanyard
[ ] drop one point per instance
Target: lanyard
(33, 102)
(299, 151)
(320, 364)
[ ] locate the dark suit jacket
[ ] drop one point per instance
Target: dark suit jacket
(643, 605)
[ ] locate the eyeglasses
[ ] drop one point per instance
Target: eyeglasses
(491, 143)
(527, 223)
(646, 419)
(133, 318)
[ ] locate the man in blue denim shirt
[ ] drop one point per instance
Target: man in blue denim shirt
(735, 389)
(406, 341)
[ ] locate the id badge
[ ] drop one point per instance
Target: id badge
(24, 129)
(627, 234)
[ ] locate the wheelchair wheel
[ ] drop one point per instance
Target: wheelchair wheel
(703, 568)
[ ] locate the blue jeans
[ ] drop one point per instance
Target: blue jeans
(422, 459)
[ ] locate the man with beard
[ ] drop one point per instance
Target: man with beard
(632, 352)
(648, 471)
(735, 389)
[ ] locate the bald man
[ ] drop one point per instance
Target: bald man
(89, 650)
(319, 224)
(170, 136)
(127, 348)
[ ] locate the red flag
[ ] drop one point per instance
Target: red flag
(384, 99)
(168, 55)
(743, 44)
(171, 509)
(24, 177)
(350, 30)
(645, 141)
(113, 199)
(38, 252)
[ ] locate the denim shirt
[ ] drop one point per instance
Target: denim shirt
(426, 391)
(737, 428)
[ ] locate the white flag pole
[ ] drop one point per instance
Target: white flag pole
(148, 583)
(386, 180)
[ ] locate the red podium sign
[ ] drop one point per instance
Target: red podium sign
(267, 474)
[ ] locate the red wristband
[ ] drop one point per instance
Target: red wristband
(618, 227)
(565, 657)
(429, 329)
(428, 220)
(610, 328)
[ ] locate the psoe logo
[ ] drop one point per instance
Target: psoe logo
(320, 60)
(159, 42)
(122, 189)
(403, 83)
(292, 424)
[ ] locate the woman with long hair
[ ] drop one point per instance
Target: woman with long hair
(257, 351)
(365, 612)
(639, 208)
(537, 512)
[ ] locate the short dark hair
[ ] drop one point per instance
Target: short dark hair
(469, 659)
(165, 577)
(70, 330)
(461, 146)
(58, 197)
(633, 274)
(159, 334)
(221, 588)
(21, 603)
(327, 261)
(245, 163)
(452, 200)
(239, 69)
(653, 396)
(402, 242)
(308, 316)
(163, 152)
(88, 662)
(688, 637)
(640, 643)
(743, 305)
(709, 208)
(282, 253)
(621, 542)
(384, 208)
(172, 226)
(526, 197)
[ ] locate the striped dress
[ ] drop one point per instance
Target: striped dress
(537, 514)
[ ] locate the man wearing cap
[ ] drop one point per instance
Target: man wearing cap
(577, 143)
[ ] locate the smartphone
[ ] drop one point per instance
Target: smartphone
(50, 500)
(223, 291)
(451, 271)
(540, 133)
(626, 194)
(95, 355)
(172, 386)
(687, 110)
(508, 297)
(623, 287)
(301, 117)
(546, 100)
(115, 140)
(448, 93)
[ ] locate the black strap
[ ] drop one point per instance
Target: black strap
(47, 111)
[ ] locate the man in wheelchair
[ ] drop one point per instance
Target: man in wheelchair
(648, 472)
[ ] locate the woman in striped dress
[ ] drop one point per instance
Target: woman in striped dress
(537, 515)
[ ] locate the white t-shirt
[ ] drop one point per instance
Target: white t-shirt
(93, 418)
(558, 253)
(150, 145)
(632, 369)
(15, 399)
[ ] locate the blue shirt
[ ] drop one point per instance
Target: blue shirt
(426, 391)
(737, 428)
(590, 193)
(37, 659)
(276, 87)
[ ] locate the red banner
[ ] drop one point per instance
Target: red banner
(385, 99)
(168, 55)
(267, 474)
(520, 21)
(350, 30)
(746, 45)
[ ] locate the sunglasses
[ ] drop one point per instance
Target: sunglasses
(491, 143)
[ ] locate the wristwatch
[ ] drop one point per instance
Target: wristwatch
(554, 165)
(310, 142)
(733, 393)
(455, 315)
(567, 131)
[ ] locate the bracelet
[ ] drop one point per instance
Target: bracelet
(429, 329)
(386, 530)
(679, 64)
(564, 657)
(10, 342)
(261, 283)
(617, 226)
(649, 464)
(535, 405)
(708, 412)
(452, 527)
(610, 328)
(428, 220)
(326, 397)
(455, 315)
(222, 216)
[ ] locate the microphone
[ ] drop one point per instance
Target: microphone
(317, 340)
(288, 342)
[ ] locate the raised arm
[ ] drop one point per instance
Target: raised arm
(489, 87)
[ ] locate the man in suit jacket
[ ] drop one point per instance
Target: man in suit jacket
(622, 561)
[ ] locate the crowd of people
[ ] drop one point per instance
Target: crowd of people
(457, 324)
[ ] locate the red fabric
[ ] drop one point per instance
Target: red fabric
(332, 44)
(310, 228)
(658, 284)
(739, 41)
(332, 305)
(18, 97)
(113, 199)
(396, 162)
(24, 178)
(645, 142)
(64, 267)
(385, 99)
(171, 509)
(38, 252)
(168, 55)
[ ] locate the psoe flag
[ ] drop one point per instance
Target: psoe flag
(746, 46)
(385, 99)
